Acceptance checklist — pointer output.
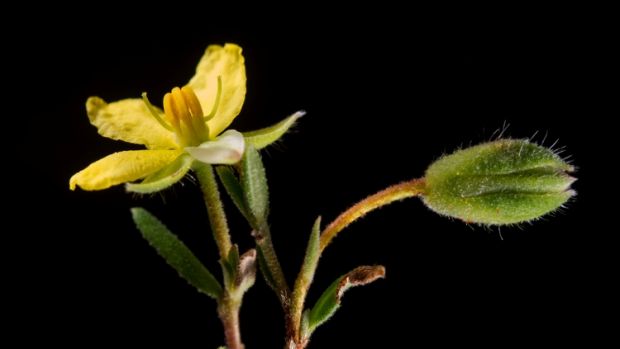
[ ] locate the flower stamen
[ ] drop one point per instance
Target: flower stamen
(183, 114)
(183, 111)
(155, 113)
(192, 101)
(194, 108)
(216, 104)
(172, 119)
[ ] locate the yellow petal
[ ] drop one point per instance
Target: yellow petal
(122, 167)
(226, 62)
(129, 120)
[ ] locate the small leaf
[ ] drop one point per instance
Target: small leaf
(254, 184)
(246, 271)
(267, 276)
(263, 137)
(233, 257)
(239, 271)
(329, 301)
(163, 178)
(305, 324)
(234, 190)
(175, 253)
(313, 253)
(229, 267)
(306, 274)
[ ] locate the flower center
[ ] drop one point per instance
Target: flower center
(183, 112)
(183, 115)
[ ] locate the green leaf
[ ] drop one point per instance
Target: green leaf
(254, 184)
(305, 325)
(229, 267)
(308, 268)
(313, 253)
(176, 253)
(239, 271)
(163, 178)
(329, 301)
(306, 275)
(263, 137)
(234, 190)
(267, 276)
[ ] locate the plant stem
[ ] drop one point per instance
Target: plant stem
(264, 243)
(228, 310)
(215, 209)
(384, 197)
(228, 307)
(262, 236)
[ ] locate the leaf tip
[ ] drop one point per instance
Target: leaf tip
(136, 211)
(358, 277)
(298, 114)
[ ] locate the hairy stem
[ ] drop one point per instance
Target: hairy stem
(265, 245)
(228, 310)
(228, 307)
(386, 196)
(215, 209)
(276, 275)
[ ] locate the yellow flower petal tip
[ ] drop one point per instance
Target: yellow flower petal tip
(129, 120)
(122, 167)
(227, 64)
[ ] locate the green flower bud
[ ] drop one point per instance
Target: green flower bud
(501, 182)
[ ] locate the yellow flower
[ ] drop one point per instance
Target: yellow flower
(180, 134)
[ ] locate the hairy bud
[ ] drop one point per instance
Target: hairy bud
(501, 182)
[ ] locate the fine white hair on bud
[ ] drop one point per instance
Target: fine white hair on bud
(500, 182)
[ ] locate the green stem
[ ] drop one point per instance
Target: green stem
(264, 243)
(228, 307)
(215, 209)
(272, 270)
(384, 197)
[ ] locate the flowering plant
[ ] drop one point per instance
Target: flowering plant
(505, 181)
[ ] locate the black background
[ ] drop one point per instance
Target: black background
(386, 94)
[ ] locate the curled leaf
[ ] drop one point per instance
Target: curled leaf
(246, 271)
(330, 300)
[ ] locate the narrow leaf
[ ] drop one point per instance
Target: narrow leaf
(263, 137)
(234, 190)
(175, 253)
(329, 301)
(163, 178)
(313, 252)
(304, 327)
(267, 276)
(306, 274)
(229, 266)
(254, 184)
